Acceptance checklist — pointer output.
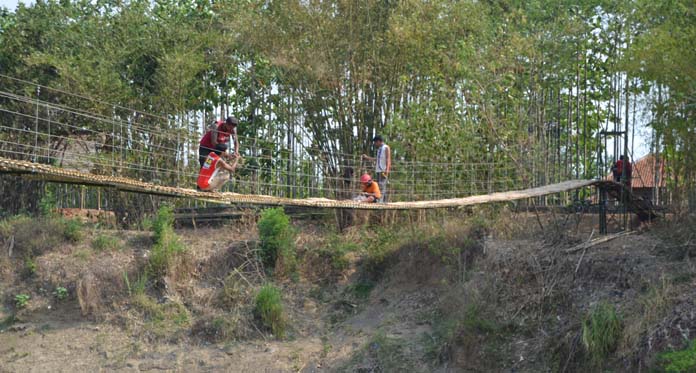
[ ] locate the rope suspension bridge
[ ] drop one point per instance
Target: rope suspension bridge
(61, 137)
(56, 174)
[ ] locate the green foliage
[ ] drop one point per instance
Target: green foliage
(162, 257)
(29, 266)
(138, 287)
(679, 360)
(167, 244)
(268, 309)
(169, 319)
(337, 249)
(105, 242)
(378, 247)
(9, 225)
(277, 239)
(7, 321)
(601, 332)
(469, 326)
(72, 230)
(362, 289)
(464, 67)
(33, 237)
(60, 293)
(330, 258)
(47, 203)
(163, 223)
(21, 300)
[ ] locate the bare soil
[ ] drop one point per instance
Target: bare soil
(532, 298)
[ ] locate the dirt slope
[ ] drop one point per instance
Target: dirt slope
(513, 303)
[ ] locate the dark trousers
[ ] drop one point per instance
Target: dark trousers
(203, 152)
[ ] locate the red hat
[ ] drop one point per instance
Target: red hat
(365, 178)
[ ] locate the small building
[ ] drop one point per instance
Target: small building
(649, 179)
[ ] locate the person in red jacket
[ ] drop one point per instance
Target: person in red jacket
(627, 172)
(218, 136)
(215, 172)
(623, 170)
(617, 169)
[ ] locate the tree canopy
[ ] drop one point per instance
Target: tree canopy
(528, 83)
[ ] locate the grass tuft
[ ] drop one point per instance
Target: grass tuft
(167, 244)
(601, 332)
(168, 319)
(72, 230)
(679, 360)
(105, 242)
(277, 241)
(269, 310)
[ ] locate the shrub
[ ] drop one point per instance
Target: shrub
(277, 239)
(362, 290)
(47, 203)
(105, 243)
(21, 300)
(269, 310)
(601, 332)
(378, 248)
(72, 230)
(163, 222)
(29, 266)
(162, 256)
(337, 249)
(167, 243)
(61, 293)
(678, 361)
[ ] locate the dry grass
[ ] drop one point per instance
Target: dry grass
(223, 326)
(101, 287)
(168, 320)
(235, 291)
(652, 308)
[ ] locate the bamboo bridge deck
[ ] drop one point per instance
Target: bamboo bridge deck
(60, 175)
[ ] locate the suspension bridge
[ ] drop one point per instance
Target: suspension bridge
(61, 137)
(55, 174)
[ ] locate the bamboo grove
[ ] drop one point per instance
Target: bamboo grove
(472, 96)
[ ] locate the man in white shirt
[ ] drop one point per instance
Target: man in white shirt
(382, 164)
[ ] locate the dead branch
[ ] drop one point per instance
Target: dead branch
(589, 244)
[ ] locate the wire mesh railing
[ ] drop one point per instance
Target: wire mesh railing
(49, 126)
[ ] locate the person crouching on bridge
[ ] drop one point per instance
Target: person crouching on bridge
(215, 172)
(370, 190)
(216, 138)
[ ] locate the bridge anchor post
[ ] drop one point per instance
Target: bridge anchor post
(602, 210)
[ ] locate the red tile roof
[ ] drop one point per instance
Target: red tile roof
(644, 171)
